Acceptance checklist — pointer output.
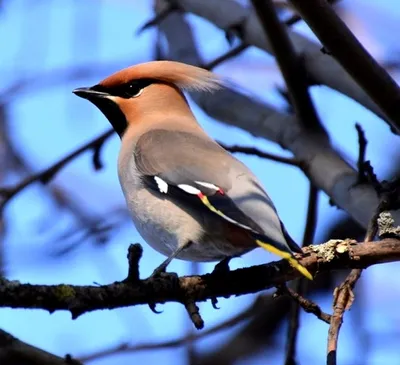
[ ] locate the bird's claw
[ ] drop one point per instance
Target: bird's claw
(152, 307)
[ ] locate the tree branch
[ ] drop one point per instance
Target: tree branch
(301, 285)
(321, 68)
(354, 58)
(82, 299)
(290, 64)
(323, 165)
(181, 341)
(14, 351)
(46, 175)
(256, 152)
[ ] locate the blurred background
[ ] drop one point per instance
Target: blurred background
(76, 229)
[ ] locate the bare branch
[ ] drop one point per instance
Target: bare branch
(290, 63)
(343, 295)
(46, 175)
(256, 152)
(14, 351)
(301, 285)
(343, 299)
(321, 68)
(323, 165)
(354, 58)
(126, 348)
(82, 299)
(308, 306)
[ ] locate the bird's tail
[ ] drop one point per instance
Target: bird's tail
(283, 252)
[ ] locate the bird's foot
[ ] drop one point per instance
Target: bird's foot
(159, 271)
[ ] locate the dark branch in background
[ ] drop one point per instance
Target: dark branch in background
(171, 7)
(226, 56)
(46, 175)
(256, 152)
(320, 68)
(247, 313)
(14, 352)
(82, 299)
(290, 64)
(96, 145)
(324, 165)
(349, 52)
(301, 284)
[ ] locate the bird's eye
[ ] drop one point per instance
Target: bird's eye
(133, 90)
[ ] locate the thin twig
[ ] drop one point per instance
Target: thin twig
(354, 58)
(289, 62)
(362, 148)
(158, 18)
(308, 305)
(301, 285)
(344, 296)
(226, 56)
(256, 152)
(126, 348)
(46, 175)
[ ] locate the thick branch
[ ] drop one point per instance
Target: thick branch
(81, 299)
(290, 64)
(354, 58)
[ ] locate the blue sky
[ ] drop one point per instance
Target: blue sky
(45, 123)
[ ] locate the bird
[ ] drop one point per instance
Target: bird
(188, 197)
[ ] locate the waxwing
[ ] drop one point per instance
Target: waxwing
(188, 197)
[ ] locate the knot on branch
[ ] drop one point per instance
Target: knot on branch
(135, 252)
(194, 314)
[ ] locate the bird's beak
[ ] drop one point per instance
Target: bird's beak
(89, 93)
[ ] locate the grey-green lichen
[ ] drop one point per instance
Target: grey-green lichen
(330, 249)
(386, 225)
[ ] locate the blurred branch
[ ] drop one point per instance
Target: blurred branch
(256, 152)
(320, 68)
(226, 56)
(301, 284)
(255, 336)
(323, 165)
(96, 144)
(46, 175)
(184, 340)
(354, 58)
(290, 64)
(14, 351)
(333, 255)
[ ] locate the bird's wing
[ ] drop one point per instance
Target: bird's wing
(191, 169)
(194, 170)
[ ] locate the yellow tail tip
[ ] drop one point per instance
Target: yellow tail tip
(300, 268)
(287, 256)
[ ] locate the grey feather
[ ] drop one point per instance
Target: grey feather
(182, 158)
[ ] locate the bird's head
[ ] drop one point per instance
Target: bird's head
(139, 93)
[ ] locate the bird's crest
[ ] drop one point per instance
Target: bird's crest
(184, 76)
